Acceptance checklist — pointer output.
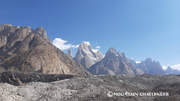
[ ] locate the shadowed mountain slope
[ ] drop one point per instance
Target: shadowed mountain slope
(26, 50)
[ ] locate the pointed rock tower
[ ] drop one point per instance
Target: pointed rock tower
(70, 52)
(87, 56)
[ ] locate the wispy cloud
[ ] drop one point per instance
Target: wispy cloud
(98, 47)
(61, 44)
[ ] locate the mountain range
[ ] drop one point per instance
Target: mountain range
(149, 66)
(23, 49)
(152, 67)
(114, 63)
(169, 70)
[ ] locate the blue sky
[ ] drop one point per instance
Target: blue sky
(139, 28)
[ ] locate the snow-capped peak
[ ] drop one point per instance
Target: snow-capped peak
(87, 43)
(87, 54)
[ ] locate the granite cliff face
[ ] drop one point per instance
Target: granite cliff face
(114, 63)
(87, 56)
(150, 66)
(27, 50)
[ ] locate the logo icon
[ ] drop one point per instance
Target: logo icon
(110, 94)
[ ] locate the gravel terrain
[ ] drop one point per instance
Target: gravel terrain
(94, 88)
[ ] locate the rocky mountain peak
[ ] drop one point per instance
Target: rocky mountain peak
(112, 52)
(7, 25)
(70, 52)
(112, 49)
(27, 27)
(114, 63)
(86, 55)
(10, 35)
(42, 32)
(87, 43)
(85, 46)
(148, 60)
(169, 68)
(123, 55)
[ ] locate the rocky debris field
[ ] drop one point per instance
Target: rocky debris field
(91, 88)
(18, 79)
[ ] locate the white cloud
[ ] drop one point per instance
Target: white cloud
(61, 44)
(98, 47)
(138, 62)
(164, 67)
(176, 66)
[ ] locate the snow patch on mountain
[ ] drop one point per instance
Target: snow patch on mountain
(95, 50)
(87, 43)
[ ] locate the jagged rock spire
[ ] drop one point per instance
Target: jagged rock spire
(70, 52)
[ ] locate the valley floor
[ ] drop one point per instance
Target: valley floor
(95, 88)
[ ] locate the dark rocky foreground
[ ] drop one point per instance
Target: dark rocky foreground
(42, 87)
(18, 79)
